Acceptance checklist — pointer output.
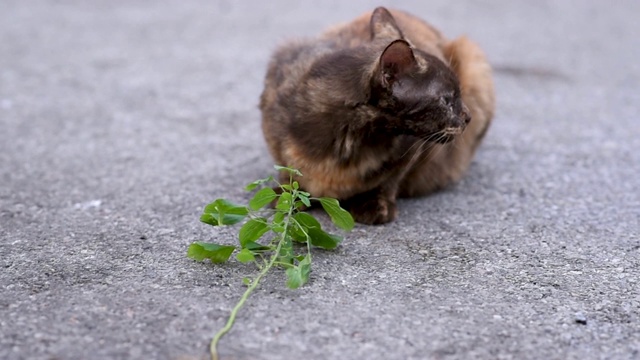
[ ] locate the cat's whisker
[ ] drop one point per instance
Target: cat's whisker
(432, 140)
(438, 136)
(436, 150)
(461, 142)
(422, 141)
(417, 153)
(411, 148)
(435, 136)
(430, 146)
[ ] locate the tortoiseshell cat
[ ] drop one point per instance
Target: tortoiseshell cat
(379, 108)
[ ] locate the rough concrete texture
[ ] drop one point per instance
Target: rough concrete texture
(120, 120)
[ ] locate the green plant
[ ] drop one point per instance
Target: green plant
(287, 224)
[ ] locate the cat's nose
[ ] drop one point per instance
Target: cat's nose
(461, 120)
(465, 114)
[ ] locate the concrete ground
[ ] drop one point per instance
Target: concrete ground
(120, 120)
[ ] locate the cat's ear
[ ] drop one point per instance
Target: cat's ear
(383, 25)
(396, 60)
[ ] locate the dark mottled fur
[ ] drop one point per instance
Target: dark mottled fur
(378, 108)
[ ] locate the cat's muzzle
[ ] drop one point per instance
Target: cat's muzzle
(448, 134)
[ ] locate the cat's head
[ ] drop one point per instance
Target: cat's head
(415, 88)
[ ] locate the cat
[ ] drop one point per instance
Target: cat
(375, 109)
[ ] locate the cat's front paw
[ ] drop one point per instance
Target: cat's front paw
(373, 211)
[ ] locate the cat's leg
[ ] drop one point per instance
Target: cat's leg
(441, 165)
(377, 206)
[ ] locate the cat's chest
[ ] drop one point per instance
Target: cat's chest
(331, 177)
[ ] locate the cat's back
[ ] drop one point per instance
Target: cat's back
(292, 60)
(285, 86)
(417, 31)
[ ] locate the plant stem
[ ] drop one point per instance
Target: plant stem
(213, 348)
(234, 313)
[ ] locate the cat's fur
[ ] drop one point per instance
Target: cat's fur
(378, 108)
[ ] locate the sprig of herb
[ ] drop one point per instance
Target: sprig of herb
(285, 222)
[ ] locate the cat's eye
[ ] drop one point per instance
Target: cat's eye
(447, 100)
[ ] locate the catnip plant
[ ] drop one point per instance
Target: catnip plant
(268, 234)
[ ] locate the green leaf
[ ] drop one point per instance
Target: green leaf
(214, 252)
(257, 183)
(322, 239)
(299, 275)
(294, 277)
(306, 220)
(224, 206)
(286, 251)
(246, 281)
(287, 169)
(313, 228)
(297, 235)
(255, 247)
(245, 256)
(278, 228)
(303, 222)
(339, 216)
(252, 230)
(278, 218)
(262, 198)
(284, 202)
(305, 200)
(209, 219)
(305, 269)
(286, 187)
(223, 212)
